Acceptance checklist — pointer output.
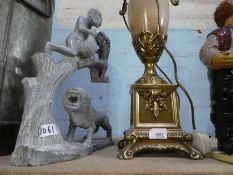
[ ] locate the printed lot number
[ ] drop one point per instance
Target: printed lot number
(158, 133)
(47, 130)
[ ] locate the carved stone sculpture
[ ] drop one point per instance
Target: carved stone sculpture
(98, 73)
(39, 140)
(77, 103)
(217, 55)
(25, 27)
(84, 42)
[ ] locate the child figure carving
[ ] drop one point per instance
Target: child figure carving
(82, 38)
(85, 42)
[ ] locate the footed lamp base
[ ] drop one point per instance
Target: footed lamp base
(137, 140)
(155, 123)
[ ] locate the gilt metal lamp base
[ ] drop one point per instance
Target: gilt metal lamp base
(138, 141)
(155, 107)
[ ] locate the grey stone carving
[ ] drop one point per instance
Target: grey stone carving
(77, 103)
(25, 28)
(39, 140)
(98, 73)
(85, 42)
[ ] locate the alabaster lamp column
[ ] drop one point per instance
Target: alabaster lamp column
(148, 25)
(143, 16)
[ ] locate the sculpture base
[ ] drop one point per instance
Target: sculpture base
(38, 156)
(137, 140)
(222, 156)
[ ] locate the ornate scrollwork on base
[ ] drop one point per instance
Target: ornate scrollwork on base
(155, 100)
(132, 149)
(126, 152)
(193, 152)
(182, 144)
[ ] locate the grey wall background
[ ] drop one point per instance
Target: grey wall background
(189, 25)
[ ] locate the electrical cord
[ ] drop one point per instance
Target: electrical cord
(175, 69)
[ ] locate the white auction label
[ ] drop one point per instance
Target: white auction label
(47, 130)
(158, 133)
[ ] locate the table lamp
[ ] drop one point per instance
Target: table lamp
(155, 121)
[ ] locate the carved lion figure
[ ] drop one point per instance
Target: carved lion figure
(77, 103)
